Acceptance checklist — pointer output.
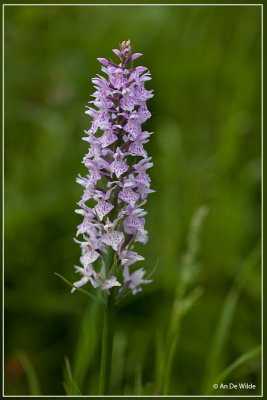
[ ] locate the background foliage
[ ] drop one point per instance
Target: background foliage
(205, 64)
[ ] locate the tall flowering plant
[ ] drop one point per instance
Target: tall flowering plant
(115, 190)
(117, 184)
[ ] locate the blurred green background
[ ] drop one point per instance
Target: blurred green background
(205, 65)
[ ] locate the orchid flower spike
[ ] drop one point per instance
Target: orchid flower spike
(117, 184)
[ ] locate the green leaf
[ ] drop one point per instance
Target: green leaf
(256, 352)
(34, 387)
(97, 217)
(70, 386)
(87, 342)
(113, 269)
(79, 289)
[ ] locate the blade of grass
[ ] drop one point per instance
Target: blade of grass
(225, 320)
(220, 336)
(70, 385)
(180, 308)
(256, 352)
(32, 379)
(159, 359)
(183, 301)
(138, 389)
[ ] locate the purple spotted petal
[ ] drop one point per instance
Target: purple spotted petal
(89, 257)
(128, 195)
(110, 282)
(128, 257)
(103, 208)
(135, 222)
(107, 139)
(118, 167)
(137, 149)
(113, 239)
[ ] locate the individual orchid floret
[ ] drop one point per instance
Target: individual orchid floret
(89, 254)
(112, 238)
(128, 100)
(96, 279)
(118, 166)
(86, 274)
(117, 183)
(107, 138)
(137, 147)
(104, 283)
(103, 207)
(87, 223)
(128, 257)
(141, 236)
(143, 113)
(135, 219)
(133, 125)
(134, 280)
(127, 193)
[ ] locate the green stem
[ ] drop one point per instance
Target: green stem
(167, 375)
(107, 345)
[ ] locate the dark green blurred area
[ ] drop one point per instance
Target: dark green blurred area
(205, 65)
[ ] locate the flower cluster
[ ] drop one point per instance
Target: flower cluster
(117, 184)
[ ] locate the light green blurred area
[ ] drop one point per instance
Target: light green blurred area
(205, 65)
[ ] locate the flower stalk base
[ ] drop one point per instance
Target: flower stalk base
(107, 345)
